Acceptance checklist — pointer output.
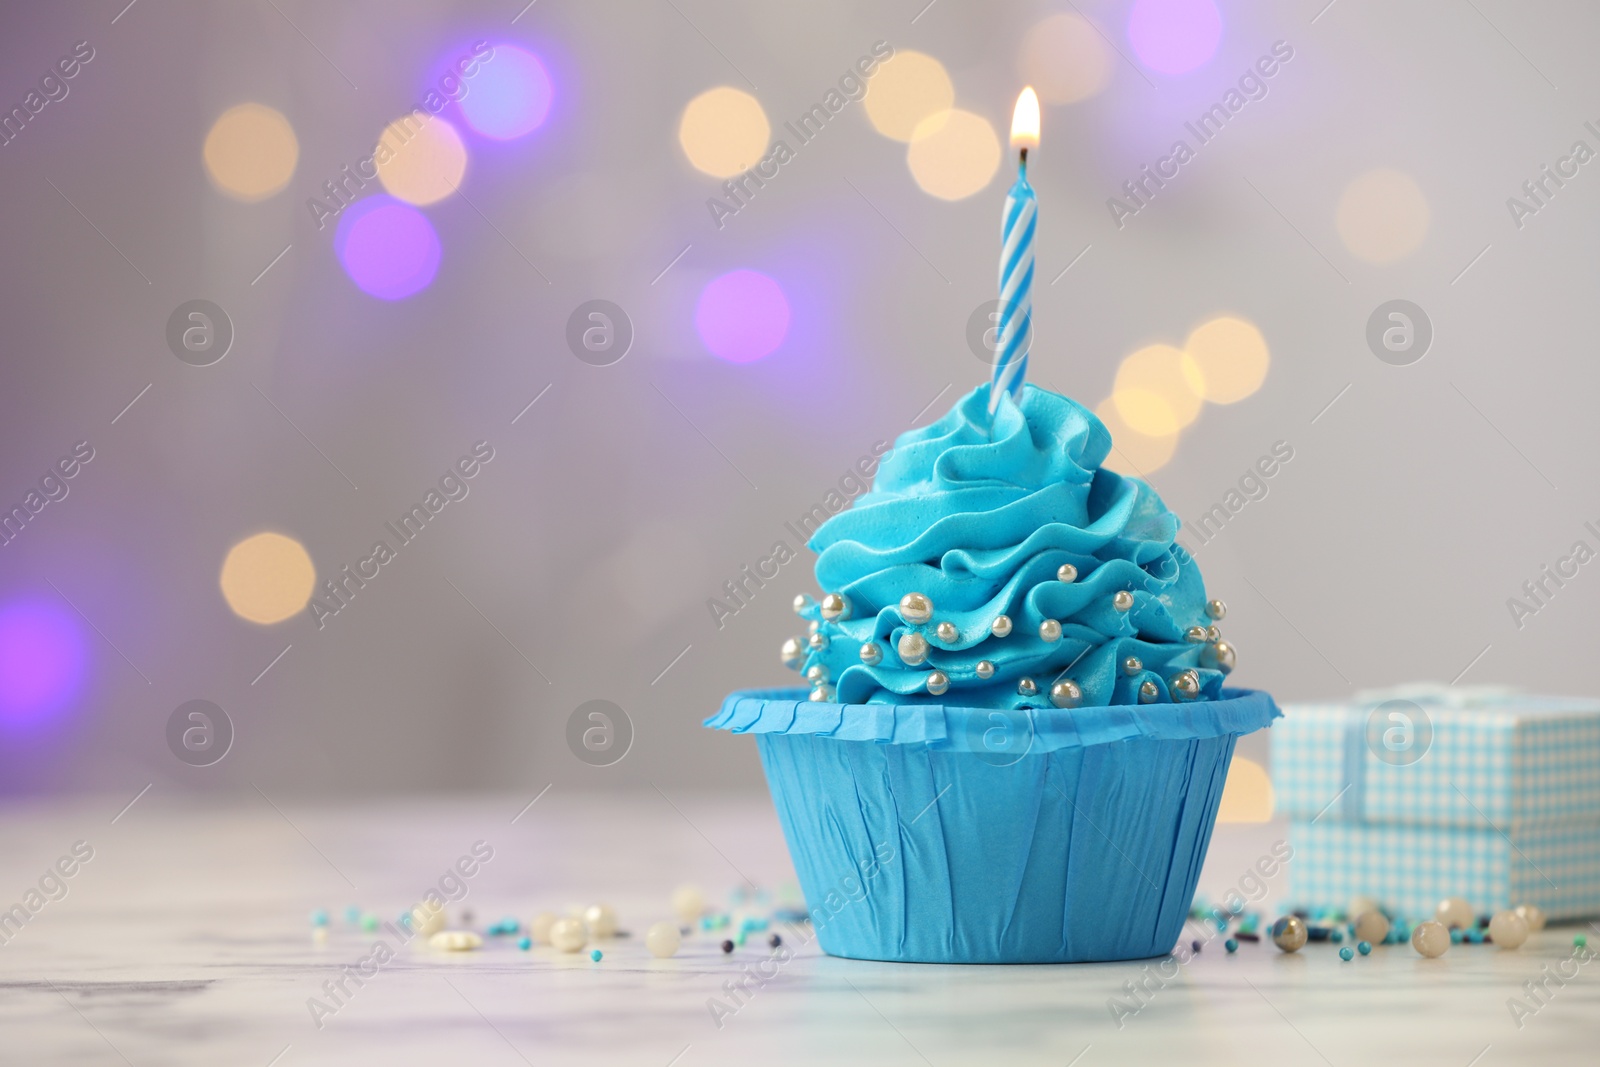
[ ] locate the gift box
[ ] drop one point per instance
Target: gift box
(941, 834)
(1415, 794)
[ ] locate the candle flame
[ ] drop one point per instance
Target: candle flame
(1025, 120)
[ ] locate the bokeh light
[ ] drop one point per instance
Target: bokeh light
(1383, 216)
(724, 131)
(251, 152)
(953, 154)
(742, 316)
(1065, 59)
(1247, 794)
(510, 95)
(42, 660)
(388, 248)
(1134, 453)
(1152, 393)
(420, 163)
(1174, 36)
(907, 90)
(1226, 360)
(267, 578)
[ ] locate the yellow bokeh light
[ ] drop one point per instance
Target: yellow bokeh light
(1383, 216)
(1132, 452)
(267, 577)
(908, 90)
(953, 154)
(1247, 795)
(724, 131)
(1226, 360)
(251, 152)
(1065, 59)
(1153, 394)
(420, 161)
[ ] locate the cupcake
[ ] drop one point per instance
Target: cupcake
(1016, 729)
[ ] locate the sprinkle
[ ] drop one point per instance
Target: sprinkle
(369, 921)
(727, 946)
(1455, 935)
(1231, 945)
(595, 955)
(1246, 935)
(319, 917)
(1580, 940)
(1365, 948)
(1346, 955)
(775, 940)
(352, 914)
(524, 943)
(1194, 946)
(740, 939)
(1336, 935)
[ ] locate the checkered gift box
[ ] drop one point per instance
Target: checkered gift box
(1418, 793)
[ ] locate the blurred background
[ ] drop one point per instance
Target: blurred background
(276, 271)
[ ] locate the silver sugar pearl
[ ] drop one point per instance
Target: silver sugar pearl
(1195, 635)
(1066, 694)
(1216, 609)
(872, 653)
(1219, 655)
(947, 632)
(1132, 666)
(984, 669)
(1213, 633)
(793, 653)
(1001, 627)
(1148, 692)
(835, 606)
(1123, 601)
(813, 627)
(1066, 573)
(822, 694)
(913, 649)
(802, 602)
(1050, 631)
(1028, 687)
(916, 608)
(818, 641)
(1186, 684)
(817, 673)
(938, 683)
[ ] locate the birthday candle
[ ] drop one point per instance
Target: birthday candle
(1017, 227)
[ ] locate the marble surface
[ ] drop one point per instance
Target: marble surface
(185, 940)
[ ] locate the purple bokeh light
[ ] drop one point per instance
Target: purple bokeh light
(510, 96)
(388, 248)
(1174, 36)
(742, 316)
(42, 660)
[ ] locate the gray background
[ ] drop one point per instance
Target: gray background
(1385, 552)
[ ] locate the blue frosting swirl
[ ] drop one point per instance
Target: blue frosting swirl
(979, 518)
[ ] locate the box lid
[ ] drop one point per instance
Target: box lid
(1440, 755)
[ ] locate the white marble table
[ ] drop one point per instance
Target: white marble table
(185, 940)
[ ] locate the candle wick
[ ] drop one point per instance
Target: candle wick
(1024, 163)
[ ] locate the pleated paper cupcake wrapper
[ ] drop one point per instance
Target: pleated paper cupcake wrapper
(923, 833)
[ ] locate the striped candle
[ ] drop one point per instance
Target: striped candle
(1017, 228)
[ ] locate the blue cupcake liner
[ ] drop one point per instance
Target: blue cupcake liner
(932, 834)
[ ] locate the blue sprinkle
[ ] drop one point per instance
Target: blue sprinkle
(1365, 948)
(319, 917)
(405, 919)
(509, 925)
(1336, 935)
(1231, 945)
(1346, 955)
(595, 955)
(1455, 935)
(524, 943)
(1474, 936)
(352, 914)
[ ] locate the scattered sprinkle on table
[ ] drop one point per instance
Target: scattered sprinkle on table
(1365, 948)
(319, 917)
(1346, 955)
(1580, 940)
(524, 943)
(595, 955)
(775, 940)
(727, 946)
(1231, 945)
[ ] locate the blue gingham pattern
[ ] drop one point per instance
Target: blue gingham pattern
(1412, 868)
(1504, 807)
